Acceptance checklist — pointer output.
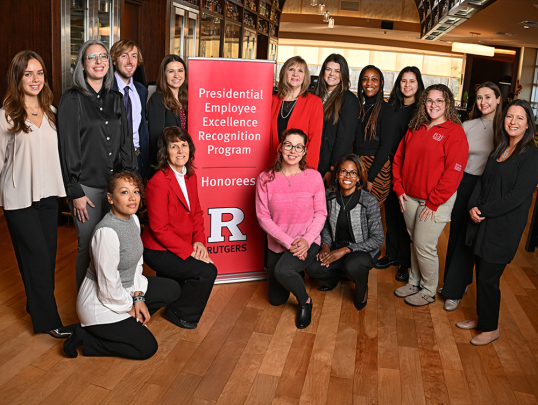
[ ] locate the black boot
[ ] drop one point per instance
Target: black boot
(385, 262)
(74, 342)
(403, 273)
(304, 315)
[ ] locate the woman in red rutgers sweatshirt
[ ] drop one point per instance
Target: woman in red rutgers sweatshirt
(427, 171)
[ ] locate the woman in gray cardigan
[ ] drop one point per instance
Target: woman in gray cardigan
(353, 232)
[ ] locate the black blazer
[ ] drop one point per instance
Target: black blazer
(159, 118)
(143, 133)
(337, 139)
(503, 195)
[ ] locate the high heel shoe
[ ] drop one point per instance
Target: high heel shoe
(361, 305)
(304, 315)
(74, 342)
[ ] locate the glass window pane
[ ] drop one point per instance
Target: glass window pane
(78, 36)
(534, 97)
(103, 14)
(384, 60)
(437, 65)
(328, 51)
(178, 30)
(409, 59)
(535, 75)
(231, 41)
(358, 58)
(284, 53)
(210, 30)
(309, 54)
(190, 38)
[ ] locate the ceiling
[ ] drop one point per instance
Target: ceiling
(299, 20)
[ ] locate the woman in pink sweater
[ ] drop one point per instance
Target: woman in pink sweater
(290, 206)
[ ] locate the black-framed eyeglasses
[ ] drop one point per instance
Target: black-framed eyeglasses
(298, 148)
(92, 57)
(344, 173)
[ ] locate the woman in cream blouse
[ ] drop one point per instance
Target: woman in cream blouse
(30, 184)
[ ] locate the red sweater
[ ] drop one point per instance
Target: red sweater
(429, 164)
(307, 115)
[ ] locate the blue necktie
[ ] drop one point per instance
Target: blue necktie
(128, 107)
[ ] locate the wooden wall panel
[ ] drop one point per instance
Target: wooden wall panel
(154, 35)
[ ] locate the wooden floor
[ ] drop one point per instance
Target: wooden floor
(247, 352)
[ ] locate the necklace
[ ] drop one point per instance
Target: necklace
(282, 109)
(286, 177)
(36, 114)
(485, 126)
(344, 205)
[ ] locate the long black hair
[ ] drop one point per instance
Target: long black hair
(502, 139)
(396, 99)
(370, 130)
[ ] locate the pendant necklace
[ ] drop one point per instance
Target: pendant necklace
(289, 112)
(286, 177)
(485, 126)
(344, 204)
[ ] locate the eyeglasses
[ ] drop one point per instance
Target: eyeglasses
(92, 57)
(344, 173)
(439, 101)
(298, 148)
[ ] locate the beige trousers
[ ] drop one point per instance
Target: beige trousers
(424, 237)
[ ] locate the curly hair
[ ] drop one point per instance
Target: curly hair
(371, 126)
(14, 100)
(277, 165)
(169, 135)
(131, 177)
(333, 105)
(361, 170)
(421, 116)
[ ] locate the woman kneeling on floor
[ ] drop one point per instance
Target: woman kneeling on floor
(353, 232)
(115, 301)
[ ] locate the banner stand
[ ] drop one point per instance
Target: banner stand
(241, 277)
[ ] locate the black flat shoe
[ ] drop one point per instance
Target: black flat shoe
(385, 262)
(361, 305)
(62, 333)
(304, 315)
(402, 274)
(74, 341)
(172, 317)
(323, 288)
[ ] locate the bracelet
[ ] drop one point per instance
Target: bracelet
(138, 298)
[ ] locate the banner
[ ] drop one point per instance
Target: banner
(229, 121)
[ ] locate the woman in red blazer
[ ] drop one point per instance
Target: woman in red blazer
(294, 107)
(174, 241)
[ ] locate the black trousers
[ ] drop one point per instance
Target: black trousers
(398, 241)
(195, 277)
(460, 261)
(283, 275)
(129, 338)
(34, 232)
(488, 294)
(354, 266)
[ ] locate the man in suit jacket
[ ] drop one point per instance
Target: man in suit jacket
(126, 57)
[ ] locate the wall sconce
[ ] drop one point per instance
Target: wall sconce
(331, 22)
(314, 3)
(321, 9)
(326, 16)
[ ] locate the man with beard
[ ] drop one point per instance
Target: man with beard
(126, 57)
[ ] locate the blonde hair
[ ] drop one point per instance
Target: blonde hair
(283, 86)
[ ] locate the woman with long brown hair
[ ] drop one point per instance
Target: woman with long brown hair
(30, 184)
(375, 133)
(486, 117)
(294, 107)
(168, 106)
(353, 232)
(427, 171)
(340, 113)
(290, 206)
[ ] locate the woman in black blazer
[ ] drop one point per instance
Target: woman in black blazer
(499, 208)
(340, 113)
(167, 107)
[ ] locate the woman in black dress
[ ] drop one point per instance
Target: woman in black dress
(340, 113)
(375, 135)
(168, 106)
(403, 99)
(499, 209)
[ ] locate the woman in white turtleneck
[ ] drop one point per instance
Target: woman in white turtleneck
(480, 130)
